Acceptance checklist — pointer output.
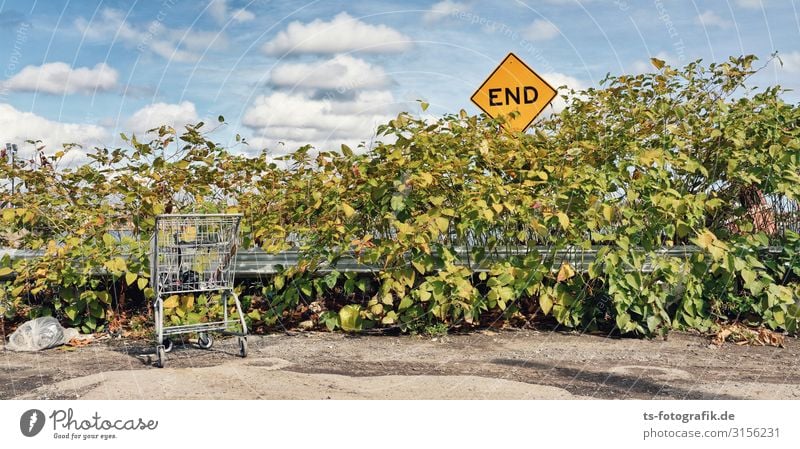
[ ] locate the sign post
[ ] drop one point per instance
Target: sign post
(514, 87)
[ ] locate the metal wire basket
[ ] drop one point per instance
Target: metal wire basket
(192, 254)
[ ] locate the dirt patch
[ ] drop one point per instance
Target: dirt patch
(512, 364)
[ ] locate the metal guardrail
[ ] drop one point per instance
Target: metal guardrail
(254, 263)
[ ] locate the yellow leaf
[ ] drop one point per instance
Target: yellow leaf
(538, 228)
(657, 63)
(649, 156)
(171, 302)
(130, 278)
(608, 212)
(705, 239)
(109, 240)
(189, 234)
(709, 242)
(546, 303)
(188, 302)
(442, 223)
(427, 179)
(403, 228)
(5, 271)
(348, 210)
(565, 272)
(436, 200)
(563, 219)
(142, 283)
(377, 309)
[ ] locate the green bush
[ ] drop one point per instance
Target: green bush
(646, 162)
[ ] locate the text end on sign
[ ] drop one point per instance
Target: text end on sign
(514, 87)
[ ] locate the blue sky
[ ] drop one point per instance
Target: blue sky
(326, 72)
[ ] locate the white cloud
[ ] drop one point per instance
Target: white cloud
(242, 15)
(343, 73)
(442, 10)
(558, 80)
(791, 61)
(710, 19)
(218, 9)
(298, 119)
(17, 126)
(541, 30)
(179, 45)
(342, 34)
(59, 78)
(158, 114)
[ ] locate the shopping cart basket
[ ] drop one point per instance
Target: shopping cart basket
(195, 254)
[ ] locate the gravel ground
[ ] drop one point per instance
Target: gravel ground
(521, 364)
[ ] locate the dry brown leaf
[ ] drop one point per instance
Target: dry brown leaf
(719, 339)
(743, 335)
(77, 342)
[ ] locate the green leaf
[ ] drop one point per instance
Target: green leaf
(71, 312)
(109, 240)
(331, 278)
(405, 303)
(683, 229)
(389, 318)
(748, 276)
(347, 151)
(398, 203)
(331, 320)
(623, 320)
(278, 282)
(350, 318)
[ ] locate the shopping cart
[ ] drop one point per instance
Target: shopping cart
(195, 254)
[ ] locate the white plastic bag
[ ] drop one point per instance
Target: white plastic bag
(41, 333)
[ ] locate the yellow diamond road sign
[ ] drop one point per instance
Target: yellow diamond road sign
(514, 87)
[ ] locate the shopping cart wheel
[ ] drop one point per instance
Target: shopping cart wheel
(243, 346)
(204, 340)
(162, 356)
(167, 345)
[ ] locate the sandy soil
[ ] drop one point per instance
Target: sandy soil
(484, 365)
